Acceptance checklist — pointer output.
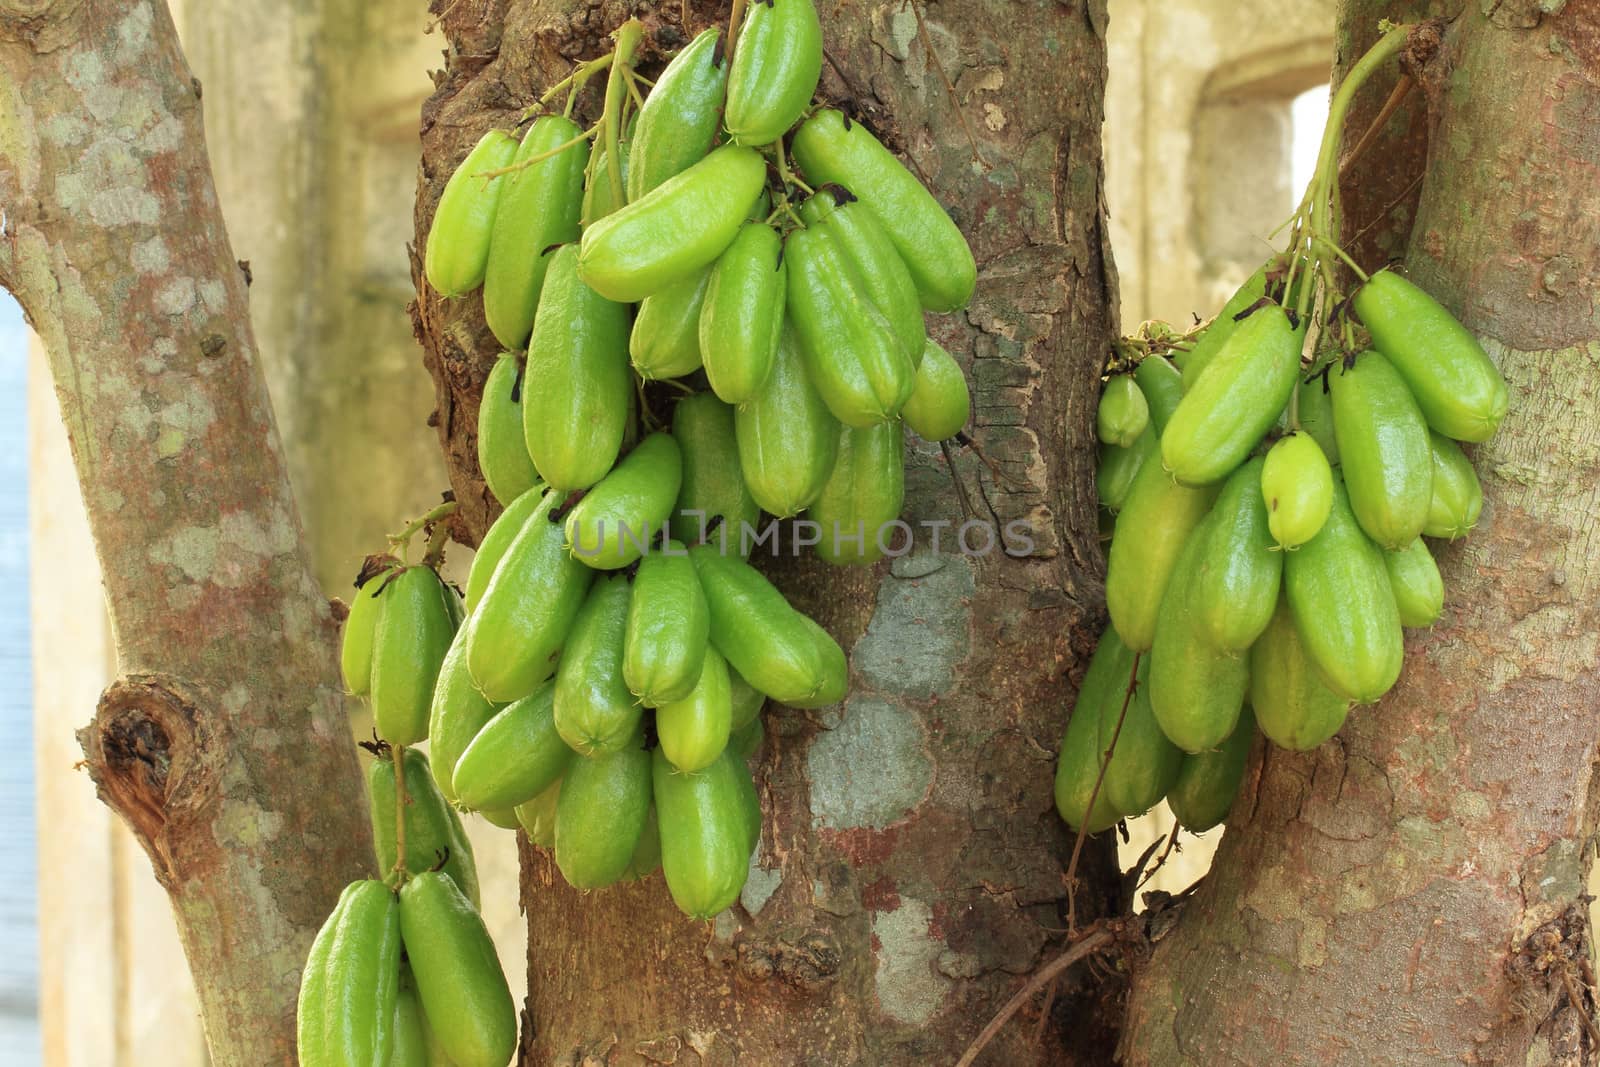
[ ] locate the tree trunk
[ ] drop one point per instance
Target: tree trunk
(229, 705)
(1413, 892)
(910, 870)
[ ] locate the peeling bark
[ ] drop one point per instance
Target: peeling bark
(1413, 891)
(910, 871)
(230, 701)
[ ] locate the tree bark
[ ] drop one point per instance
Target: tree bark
(1413, 892)
(229, 707)
(910, 870)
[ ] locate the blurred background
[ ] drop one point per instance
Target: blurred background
(1213, 113)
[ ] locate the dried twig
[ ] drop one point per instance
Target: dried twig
(1091, 942)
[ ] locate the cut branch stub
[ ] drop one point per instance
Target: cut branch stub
(147, 754)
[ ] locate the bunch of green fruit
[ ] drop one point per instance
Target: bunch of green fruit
(1271, 495)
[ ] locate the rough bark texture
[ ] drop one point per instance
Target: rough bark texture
(910, 871)
(1412, 892)
(229, 704)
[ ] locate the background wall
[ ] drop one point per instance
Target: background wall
(311, 116)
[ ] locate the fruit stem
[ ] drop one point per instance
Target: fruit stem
(628, 36)
(576, 80)
(524, 164)
(402, 540)
(1326, 175)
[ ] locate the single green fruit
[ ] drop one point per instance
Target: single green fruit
(1384, 451)
(457, 251)
(1297, 486)
(1457, 388)
(1292, 705)
(1123, 413)
(1418, 588)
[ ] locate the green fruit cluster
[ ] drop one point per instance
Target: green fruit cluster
(788, 304)
(604, 688)
(407, 975)
(1267, 546)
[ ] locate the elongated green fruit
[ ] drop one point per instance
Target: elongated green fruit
(538, 816)
(457, 251)
(522, 619)
(459, 980)
(1123, 412)
(746, 698)
(1154, 523)
(1316, 415)
(831, 148)
(459, 712)
(694, 731)
(434, 834)
(1225, 413)
(788, 440)
(1162, 386)
(1239, 569)
(538, 209)
(1209, 781)
(493, 547)
(939, 404)
(743, 313)
(1078, 765)
(1344, 606)
(1457, 388)
(310, 1029)
(884, 275)
(863, 495)
(602, 810)
(1143, 763)
(705, 851)
(762, 637)
(575, 416)
(713, 489)
(1384, 450)
(668, 628)
(413, 633)
(1456, 500)
(515, 757)
(835, 677)
(363, 977)
(594, 712)
(775, 68)
(858, 365)
(1297, 486)
(646, 858)
(1418, 588)
(677, 228)
(665, 342)
(361, 625)
(502, 450)
(599, 198)
(1292, 705)
(679, 118)
(616, 521)
(411, 1037)
(1210, 341)
(1113, 479)
(1196, 690)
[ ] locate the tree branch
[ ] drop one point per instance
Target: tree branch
(114, 244)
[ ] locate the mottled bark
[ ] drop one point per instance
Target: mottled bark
(1412, 892)
(229, 707)
(910, 871)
